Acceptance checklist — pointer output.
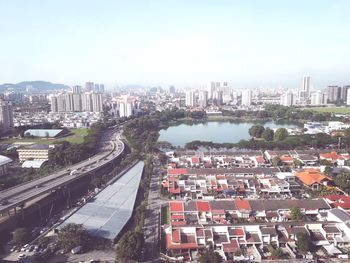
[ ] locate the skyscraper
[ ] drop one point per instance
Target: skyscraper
(287, 99)
(304, 91)
(203, 98)
(77, 102)
(6, 114)
(96, 102)
(334, 93)
(76, 89)
(89, 86)
(190, 99)
(319, 98)
(54, 106)
(246, 97)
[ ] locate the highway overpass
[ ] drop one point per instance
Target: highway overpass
(110, 146)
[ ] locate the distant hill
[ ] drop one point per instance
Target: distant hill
(36, 85)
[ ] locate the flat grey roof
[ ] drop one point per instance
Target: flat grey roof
(111, 209)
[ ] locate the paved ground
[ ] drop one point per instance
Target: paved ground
(100, 256)
(152, 218)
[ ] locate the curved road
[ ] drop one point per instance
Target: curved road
(110, 147)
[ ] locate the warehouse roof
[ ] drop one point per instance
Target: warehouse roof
(43, 132)
(111, 209)
(4, 160)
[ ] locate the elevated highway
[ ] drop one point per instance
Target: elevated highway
(110, 147)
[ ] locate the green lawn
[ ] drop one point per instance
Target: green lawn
(76, 136)
(165, 216)
(336, 110)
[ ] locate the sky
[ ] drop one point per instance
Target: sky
(249, 43)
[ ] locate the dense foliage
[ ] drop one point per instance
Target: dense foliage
(291, 142)
(130, 245)
(73, 235)
(20, 236)
(303, 242)
(279, 112)
(210, 256)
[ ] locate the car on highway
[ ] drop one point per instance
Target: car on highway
(4, 202)
(22, 256)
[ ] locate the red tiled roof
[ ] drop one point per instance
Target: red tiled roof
(203, 206)
(195, 159)
(176, 238)
(311, 176)
(177, 171)
(260, 159)
(242, 204)
(176, 206)
(341, 201)
(218, 211)
(238, 232)
(171, 245)
(233, 246)
(178, 223)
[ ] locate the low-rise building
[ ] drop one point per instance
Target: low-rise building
(38, 152)
(4, 162)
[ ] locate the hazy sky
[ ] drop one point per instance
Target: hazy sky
(248, 43)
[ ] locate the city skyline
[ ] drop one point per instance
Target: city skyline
(156, 43)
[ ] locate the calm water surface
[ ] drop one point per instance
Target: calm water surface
(214, 131)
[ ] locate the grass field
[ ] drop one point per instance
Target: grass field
(76, 136)
(336, 110)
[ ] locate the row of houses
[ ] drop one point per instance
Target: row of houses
(247, 241)
(223, 211)
(250, 159)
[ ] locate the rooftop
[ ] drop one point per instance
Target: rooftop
(111, 209)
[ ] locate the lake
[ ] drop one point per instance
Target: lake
(215, 131)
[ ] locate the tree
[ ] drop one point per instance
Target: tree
(20, 235)
(295, 213)
(256, 131)
(343, 182)
(130, 245)
(297, 163)
(73, 235)
(210, 256)
(280, 134)
(303, 242)
(96, 182)
(276, 161)
(267, 134)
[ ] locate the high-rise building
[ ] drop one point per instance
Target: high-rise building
(190, 99)
(68, 98)
(86, 101)
(319, 98)
(76, 89)
(348, 99)
(217, 97)
(102, 88)
(97, 103)
(6, 114)
(89, 86)
(287, 98)
(77, 102)
(203, 98)
(172, 90)
(54, 106)
(211, 87)
(246, 97)
(344, 93)
(61, 103)
(334, 93)
(304, 91)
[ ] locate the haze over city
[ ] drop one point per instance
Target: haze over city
(186, 43)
